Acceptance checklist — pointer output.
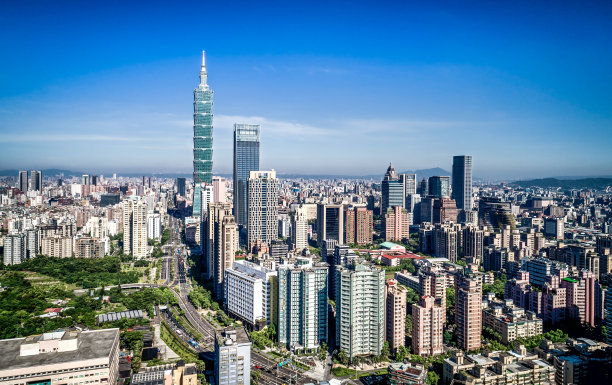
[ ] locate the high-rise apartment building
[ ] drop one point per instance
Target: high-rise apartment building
(36, 180)
(468, 312)
(360, 309)
(135, 227)
(15, 249)
(359, 224)
(330, 223)
(444, 210)
(88, 247)
(473, 241)
(202, 137)
(246, 159)
(433, 283)
(397, 224)
(396, 314)
(392, 190)
(262, 207)
(205, 193)
(58, 246)
(299, 229)
(410, 184)
(462, 182)
(302, 306)
(154, 225)
(23, 181)
(232, 357)
(427, 327)
(439, 186)
(445, 240)
(220, 243)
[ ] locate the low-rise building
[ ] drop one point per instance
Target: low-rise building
(61, 357)
(510, 321)
(232, 357)
(407, 374)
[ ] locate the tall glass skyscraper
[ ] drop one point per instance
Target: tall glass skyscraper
(246, 159)
(392, 191)
(462, 182)
(202, 137)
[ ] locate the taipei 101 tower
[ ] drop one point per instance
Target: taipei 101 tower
(202, 140)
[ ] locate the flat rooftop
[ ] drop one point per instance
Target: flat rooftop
(91, 344)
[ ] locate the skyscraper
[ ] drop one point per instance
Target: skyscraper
(299, 230)
(180, 186)
(410, 184)
(202, 137)
(23, 181)
(427, 327)
(330, 223)
(246, 159)
(262, 207)
(359, 223)
(462, 182)
(392, 190)
(36, 180)
(439, 186)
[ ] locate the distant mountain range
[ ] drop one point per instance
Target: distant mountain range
(590, 183)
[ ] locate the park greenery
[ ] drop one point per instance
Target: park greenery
(498, 286)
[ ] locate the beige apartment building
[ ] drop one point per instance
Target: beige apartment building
(428, 327)
(396, 314)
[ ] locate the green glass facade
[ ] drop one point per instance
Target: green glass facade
(202, 138)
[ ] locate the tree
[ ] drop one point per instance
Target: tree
(432, 378)
(386, 351)
(342, 357)
(450, 297)
(401, 353)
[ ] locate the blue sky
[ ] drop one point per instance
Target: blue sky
(526, 89)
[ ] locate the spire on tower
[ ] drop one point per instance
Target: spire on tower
(203, 73)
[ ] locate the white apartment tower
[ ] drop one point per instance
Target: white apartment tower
(135, 228)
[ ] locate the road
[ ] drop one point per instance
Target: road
(267, 368)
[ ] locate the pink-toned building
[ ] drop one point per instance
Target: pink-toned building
(396, 314)
(427, 327)
(359, 222)
(433, 283)
(219, 189)
(468, 312)
(397, 224)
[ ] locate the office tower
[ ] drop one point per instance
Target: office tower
(94, 180)
(50, 358)
(85, 180)
(413, 205)
(330, 223)
(23, 181)
(427, 327)
(299, 230)
(439, 186)
(397, 224)
(262, 207)
(232, 357)
(302, 306)
(143, 180)
(554, 227)
(252, 294)
(31, 243)
(446, 240)
(468, 311)
(396, 314)
(410, 184)
(473, 241)
(359, 224)
(180, 186)
(36, 180)
(220, 243)
(154, 226)
(15, 249)
(360, 309)
(427, 209)
(423, 187)
(219, 189)
(392, 190)
(135, 228)
(444, 210)
(462, 182)
(202, 137)
(246, 159)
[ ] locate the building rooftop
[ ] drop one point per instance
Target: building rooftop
(91, 344)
